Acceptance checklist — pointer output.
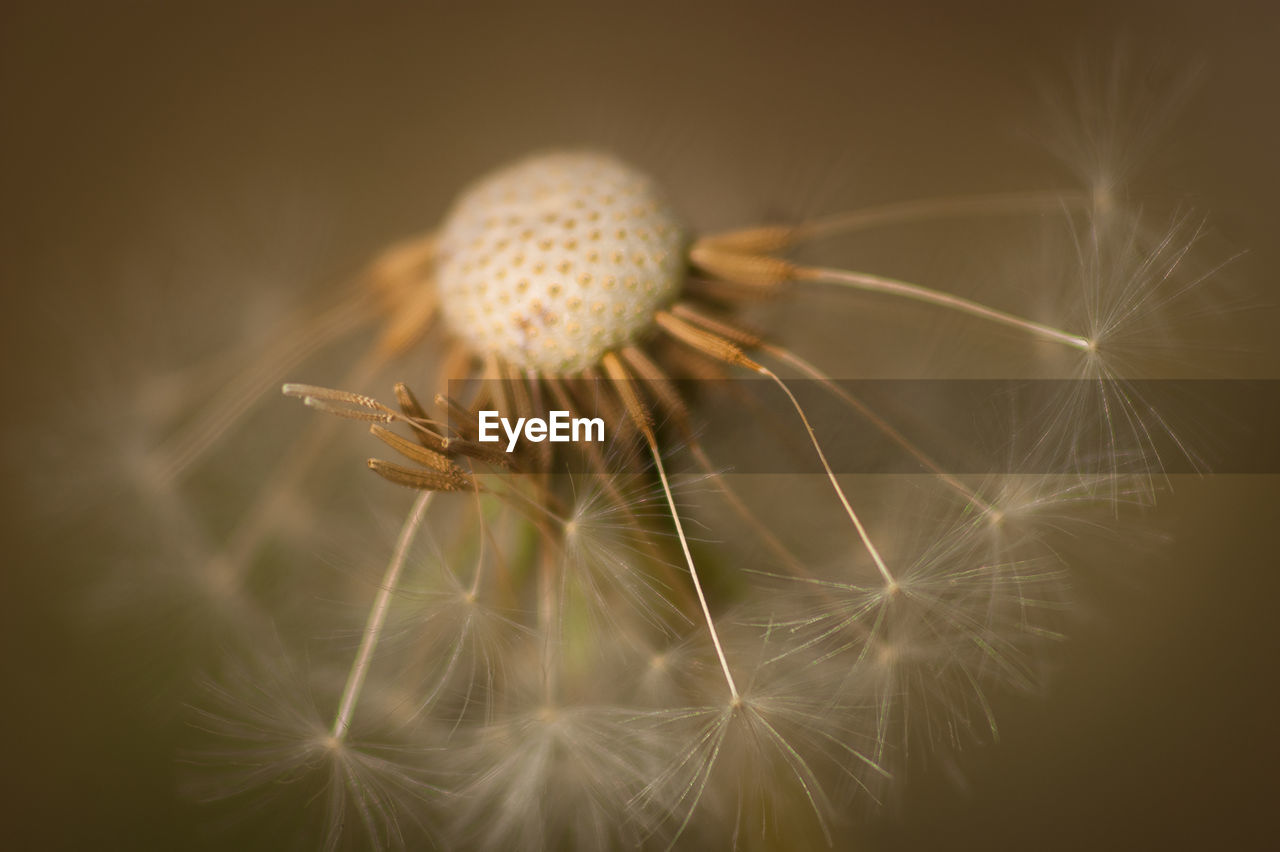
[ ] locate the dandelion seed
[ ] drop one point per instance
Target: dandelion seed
(557, 777)
(1134, 293)
(750, 764)
(266, 738)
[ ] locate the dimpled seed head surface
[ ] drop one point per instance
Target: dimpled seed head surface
(558, 258)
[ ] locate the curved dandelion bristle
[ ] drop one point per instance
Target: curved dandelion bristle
(881, 566)
(725, 350)
(864, 411)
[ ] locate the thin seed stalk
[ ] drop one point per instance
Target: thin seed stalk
(378, 617)
(915, 292)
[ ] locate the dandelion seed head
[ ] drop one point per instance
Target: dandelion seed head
(264, 744)
(612, 555)
(587, 668)
(557, 777)
(776, 755)
(1108, 124)
(1140, 294)
(556, 259)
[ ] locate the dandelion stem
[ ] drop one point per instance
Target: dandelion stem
(378, 617)
(549, 622)
(688, 558)
(915, 292)
(813, 372)
(844, 500)
(480, 542)
(676, 412)
(640, 416)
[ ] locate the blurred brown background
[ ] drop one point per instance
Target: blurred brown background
(189, 156)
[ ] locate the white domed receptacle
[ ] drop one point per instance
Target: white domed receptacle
(558, 258)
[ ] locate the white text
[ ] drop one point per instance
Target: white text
(560, 428)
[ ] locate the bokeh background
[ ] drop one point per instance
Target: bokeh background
(169, 163)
